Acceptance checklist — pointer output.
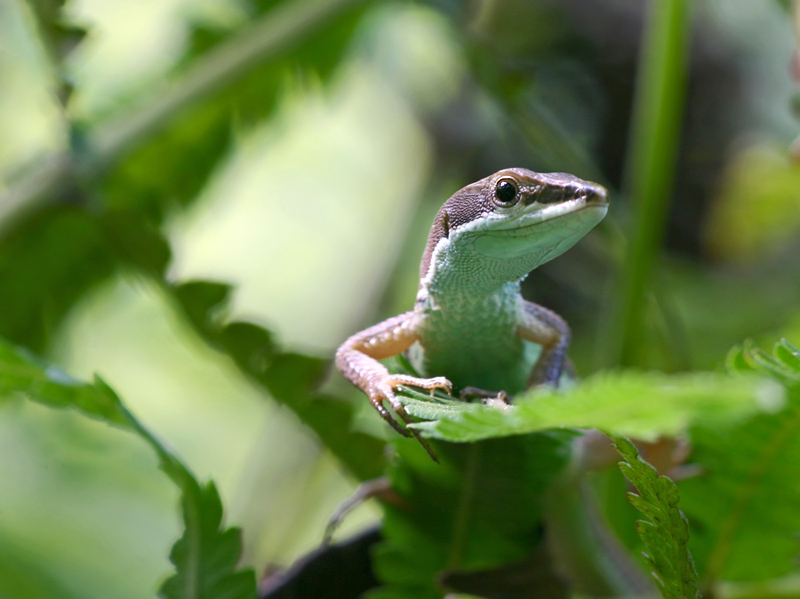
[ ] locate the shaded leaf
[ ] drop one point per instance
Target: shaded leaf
(55, 257)
(58, 37)
(533, 578)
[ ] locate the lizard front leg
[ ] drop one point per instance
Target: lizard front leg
(357, 359)
(549, 330)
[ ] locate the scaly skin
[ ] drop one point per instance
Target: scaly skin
(470, 326)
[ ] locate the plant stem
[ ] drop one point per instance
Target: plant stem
(657, 118)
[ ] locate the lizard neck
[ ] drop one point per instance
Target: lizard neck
(456, 271)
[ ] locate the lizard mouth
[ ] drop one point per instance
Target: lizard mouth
(541, 235)
(543, 219)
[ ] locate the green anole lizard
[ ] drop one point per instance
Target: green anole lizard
(470, 327)
(472, 331)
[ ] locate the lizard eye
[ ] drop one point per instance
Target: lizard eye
(505, 192)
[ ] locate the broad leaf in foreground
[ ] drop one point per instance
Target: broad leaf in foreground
(639, 405)
(666, 532)
(205, 556)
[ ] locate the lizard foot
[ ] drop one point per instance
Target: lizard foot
(384, 391)
(498, 399)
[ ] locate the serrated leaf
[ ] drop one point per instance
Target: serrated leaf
(666, 535)
(23, 372)
(206, 555)
(200, 301)
(641, 405)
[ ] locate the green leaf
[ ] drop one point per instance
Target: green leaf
(25, 575)
(205, 556)
(641, 405)
(20, 371)
(743, 507)
(666, 532)
(74, 226)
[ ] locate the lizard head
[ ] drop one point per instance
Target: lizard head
(512, 221)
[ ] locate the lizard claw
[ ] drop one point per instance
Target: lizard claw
(431, 384)
(384, 391)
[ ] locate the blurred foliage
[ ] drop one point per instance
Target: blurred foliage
(290, 378)
(758, 215)
(697, 255)
(205, 557)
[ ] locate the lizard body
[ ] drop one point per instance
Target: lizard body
(470, 326)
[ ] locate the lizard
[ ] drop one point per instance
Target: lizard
(470, 328)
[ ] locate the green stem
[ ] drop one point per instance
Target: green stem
(650, 167)
(264, 40)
